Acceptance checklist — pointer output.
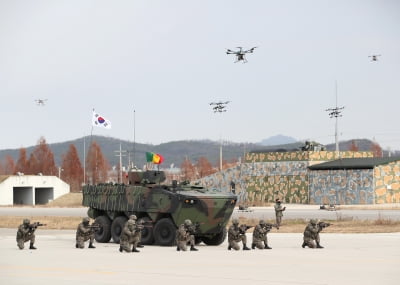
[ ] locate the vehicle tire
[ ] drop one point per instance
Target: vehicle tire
(147, 232)
(104, 233)
(164, 232)
(215, 239)
(117, 226)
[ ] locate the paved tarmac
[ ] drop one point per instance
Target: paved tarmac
(293, 211)
(346, 259)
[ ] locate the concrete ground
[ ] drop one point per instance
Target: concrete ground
(346, 259)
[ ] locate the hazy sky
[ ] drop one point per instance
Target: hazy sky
(166, 60)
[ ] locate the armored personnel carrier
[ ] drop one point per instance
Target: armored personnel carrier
(161, 207)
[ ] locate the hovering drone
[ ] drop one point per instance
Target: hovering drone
(374, 57)
(219, 107)
(240, 54)
(40, 102)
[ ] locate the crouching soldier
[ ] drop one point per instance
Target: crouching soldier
(184, 236)
(311, 234)
(130, 237)
(237, 234)
(26, 233)
(85, 232)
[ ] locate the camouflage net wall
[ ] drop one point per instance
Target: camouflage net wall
(351, 186)
(387, 183)
(267, 176)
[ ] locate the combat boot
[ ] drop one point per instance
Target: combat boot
(135, 250)
(76, 245)
(140, 245)
(267, 247)
(120, 249)
(91, 245)
(245, 247)
(31, 246)
(229, 247)
(192, 248)
(304, 244)
(253, 246)
(319, 246)
(178, 248)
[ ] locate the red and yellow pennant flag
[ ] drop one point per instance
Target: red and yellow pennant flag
(154, 157)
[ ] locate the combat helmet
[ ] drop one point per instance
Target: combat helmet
(188, 223)
(262, 222)
(26, 221)
(85, 220)
(313, 221)
(235, 221)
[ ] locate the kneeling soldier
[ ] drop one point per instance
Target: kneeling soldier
(26, 232)
(84, 232)
(184, 236)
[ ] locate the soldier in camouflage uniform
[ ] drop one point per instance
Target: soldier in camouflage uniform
(260, 239)
(130, 237)
(311, 235)
(84, 233)
(185, 236)
(235, 235)
(26, 233)
(139, 227)
(279, 211)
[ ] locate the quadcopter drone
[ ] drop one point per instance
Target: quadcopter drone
(40, 102)
(374, 57)
(219, 106)
(240, 54)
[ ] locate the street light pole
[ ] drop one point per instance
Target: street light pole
(335, 113)
(219, 107)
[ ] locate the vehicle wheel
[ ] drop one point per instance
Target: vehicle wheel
(104, 233)
(215, 239)
(117, 226)
(147, 232)
(164, 232)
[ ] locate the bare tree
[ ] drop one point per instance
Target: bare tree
(9, 166)
(72, 171)
(188, 171)
(22, 162)
(204, 167)
(376, 150)
(42, 159)
(96, 165)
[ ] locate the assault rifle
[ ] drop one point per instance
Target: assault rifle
(35, 225)
(194, 228)
(323, 225)
(268, 227)
(243, 229)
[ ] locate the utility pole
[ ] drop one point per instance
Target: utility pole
(120, 155)
(219, 107)
(335, 113)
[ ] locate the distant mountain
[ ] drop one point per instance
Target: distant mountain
(278, 140)
(174, 152)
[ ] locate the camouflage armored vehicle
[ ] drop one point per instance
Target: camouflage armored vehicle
(162, 207)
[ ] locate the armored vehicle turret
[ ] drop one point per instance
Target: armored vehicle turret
(160, 206)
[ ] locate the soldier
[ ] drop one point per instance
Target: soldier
(311, 235)
(26, 232)
(129, 238)
(278, 211)
(260, 239)
(84, 232)
(184, 235)
(139, 226)
(235, 235)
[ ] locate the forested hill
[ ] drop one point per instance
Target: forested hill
(173, 152)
